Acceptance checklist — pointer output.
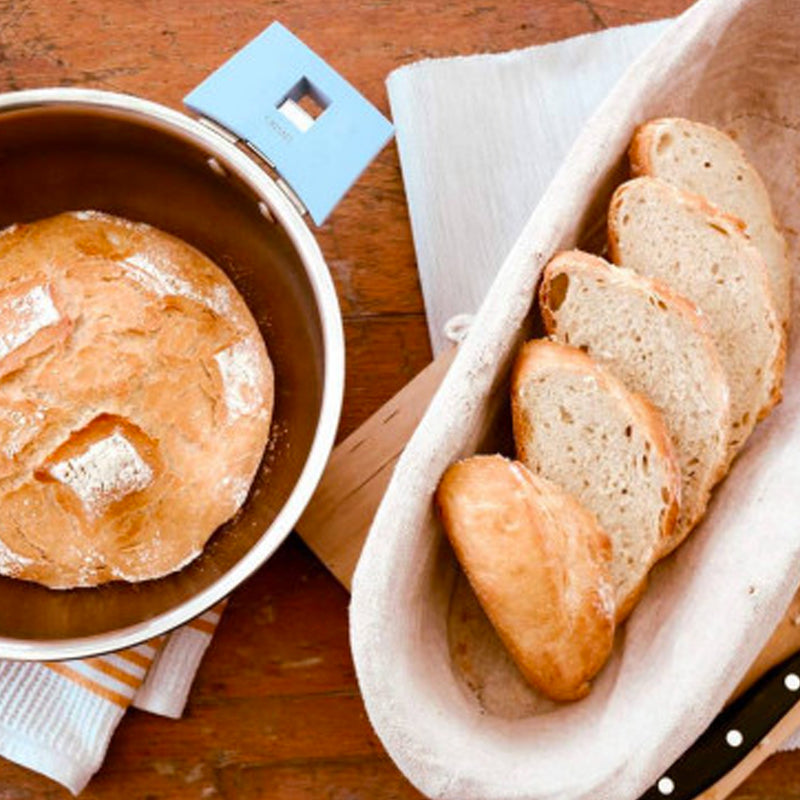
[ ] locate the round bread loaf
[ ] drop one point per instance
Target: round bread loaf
(136, 396)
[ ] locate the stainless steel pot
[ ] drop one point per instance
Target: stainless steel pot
(64, 149)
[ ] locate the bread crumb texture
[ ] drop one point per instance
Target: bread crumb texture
(708, 162)
(577, 425)
(659, 230)
(658, 345)
(136, 398)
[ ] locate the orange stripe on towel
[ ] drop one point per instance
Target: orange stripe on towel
(157, 641)
(135, 657)
(101, 665)
(200, 624)
(89, 684)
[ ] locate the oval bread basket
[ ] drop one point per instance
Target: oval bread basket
(712, 604)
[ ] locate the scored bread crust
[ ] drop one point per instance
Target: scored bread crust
(734, 228)
(576, 260)
(135, 401)
(750, 187)
(539, 564)
(541, 356)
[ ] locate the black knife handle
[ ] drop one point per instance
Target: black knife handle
(735, 731)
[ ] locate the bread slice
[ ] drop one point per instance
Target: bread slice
(539, 564)
(577, 425)
(659, 230)
(704, 160)
(656, 343)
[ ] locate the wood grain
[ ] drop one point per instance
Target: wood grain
(275, 711)
(337, 520)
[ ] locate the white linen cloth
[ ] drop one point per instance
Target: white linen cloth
(58, 718)
(480, 137)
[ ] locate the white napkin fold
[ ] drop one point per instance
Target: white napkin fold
(57, 718)
(480, 138)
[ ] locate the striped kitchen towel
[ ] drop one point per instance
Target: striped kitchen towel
(57, 718)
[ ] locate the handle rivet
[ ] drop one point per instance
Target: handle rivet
(666, 785)
(734, 738)
(265, 211)
(216, 167)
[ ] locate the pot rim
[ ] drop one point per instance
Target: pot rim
(286, 215)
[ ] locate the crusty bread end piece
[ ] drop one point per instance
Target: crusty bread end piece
(577, 425)
(703, 160)
(657, 344)
(539, 564)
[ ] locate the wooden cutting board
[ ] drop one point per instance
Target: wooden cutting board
(337, 520)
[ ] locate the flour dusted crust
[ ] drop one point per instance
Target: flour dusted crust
(136, 397)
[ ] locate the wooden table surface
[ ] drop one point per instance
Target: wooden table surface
(275, 711)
